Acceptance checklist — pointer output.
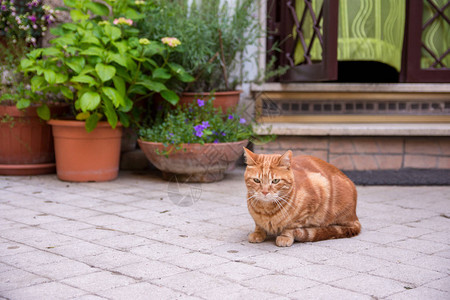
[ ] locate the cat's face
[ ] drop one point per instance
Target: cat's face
(268, 177)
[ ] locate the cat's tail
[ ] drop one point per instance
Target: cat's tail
(314, 234)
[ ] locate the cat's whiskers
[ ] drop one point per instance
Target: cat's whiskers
(285, 201)
(251, 197)
(253, 200)
(285, 208)
(282, 209)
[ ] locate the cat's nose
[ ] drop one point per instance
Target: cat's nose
(264, 193)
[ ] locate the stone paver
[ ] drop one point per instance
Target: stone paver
(139, 237)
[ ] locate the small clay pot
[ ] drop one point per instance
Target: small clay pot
(225, 100)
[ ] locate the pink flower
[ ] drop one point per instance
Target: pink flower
(123, 21)
(171, 41)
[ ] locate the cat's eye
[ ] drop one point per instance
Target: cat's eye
(256, 180)
(275, 181)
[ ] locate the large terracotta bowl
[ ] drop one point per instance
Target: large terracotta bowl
(195, 162)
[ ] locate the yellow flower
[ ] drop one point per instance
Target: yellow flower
(171, 41)
(103, 23)
(139, 2)
(144, 41)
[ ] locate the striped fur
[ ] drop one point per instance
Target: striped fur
(299, 198)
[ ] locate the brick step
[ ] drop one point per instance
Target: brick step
(365, 147)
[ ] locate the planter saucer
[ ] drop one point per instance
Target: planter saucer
(28, 169)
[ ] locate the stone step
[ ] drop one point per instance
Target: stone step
(352, 103)
(361, 129)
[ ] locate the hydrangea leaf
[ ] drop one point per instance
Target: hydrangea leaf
(89, 101)
(170, 96)
(105, 72)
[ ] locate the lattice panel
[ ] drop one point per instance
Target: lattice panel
(435, 43)
(316, 18)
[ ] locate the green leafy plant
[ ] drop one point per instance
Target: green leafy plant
(199, 122)
(22, 26)
(23, 97)
(14, 87)
(9, 61)
(101, 66)
(214, 36)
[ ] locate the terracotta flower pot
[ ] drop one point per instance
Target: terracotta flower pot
(225, 100)
(199, 163)
(26, 146)
(86, 156)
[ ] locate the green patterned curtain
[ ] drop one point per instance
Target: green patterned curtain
(436, 36)
(369, 30)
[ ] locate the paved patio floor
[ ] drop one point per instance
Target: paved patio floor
(140, 237)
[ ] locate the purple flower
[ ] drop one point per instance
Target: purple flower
(200, 102)
(242, 121)
(199, 130)
(224, 134)
(216, 141)
(32, 19)
(230, 117)
(32, 3)
(171, 136)
(4, 7)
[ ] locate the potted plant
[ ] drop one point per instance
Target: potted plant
(214, 39)
(101, 68)
(27, 141)
(26, 146)
(195, 142)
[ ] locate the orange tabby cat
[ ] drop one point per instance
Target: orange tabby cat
(300, 198)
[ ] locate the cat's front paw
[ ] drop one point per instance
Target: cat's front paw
(256, 237)
(284, 241)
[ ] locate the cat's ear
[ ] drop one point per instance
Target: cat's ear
(285, 159)
(250, 157)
